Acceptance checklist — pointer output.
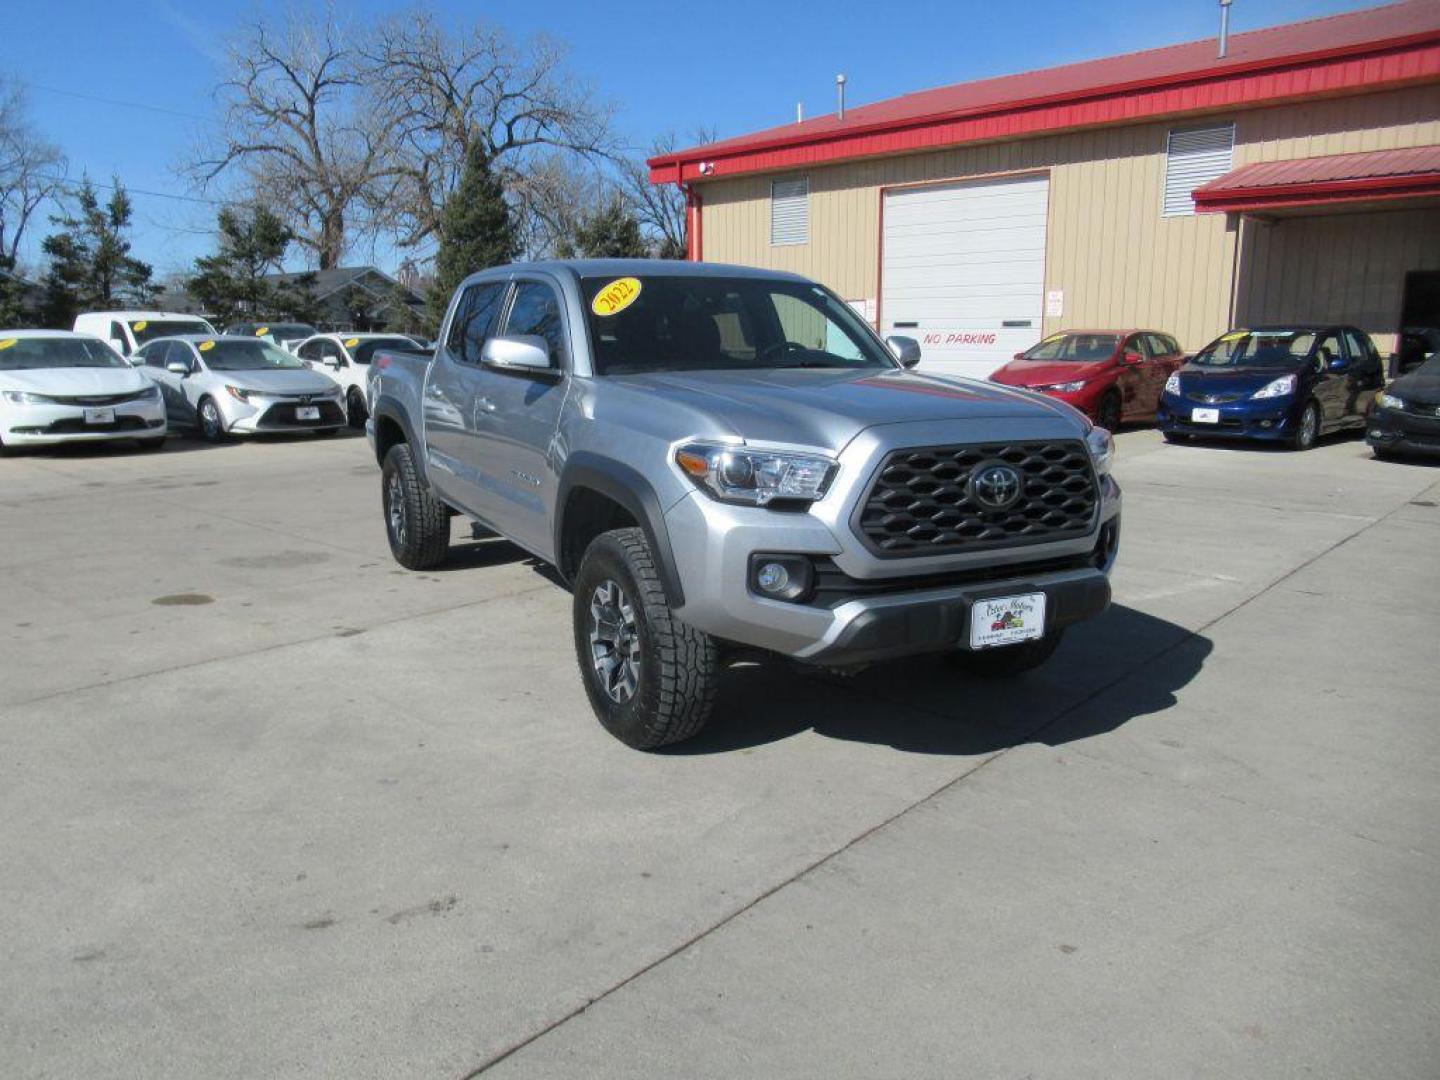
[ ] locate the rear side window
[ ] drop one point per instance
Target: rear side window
(474, 320)
(1359, 347)
(536, 310)
(1138, 344)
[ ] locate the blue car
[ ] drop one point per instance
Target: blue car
(1286, 384)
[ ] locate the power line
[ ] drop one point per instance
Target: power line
(73, 184)
(117, 101)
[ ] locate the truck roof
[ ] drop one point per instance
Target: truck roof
(587, 268)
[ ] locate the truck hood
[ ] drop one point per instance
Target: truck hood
(74, 381)
(827, 408)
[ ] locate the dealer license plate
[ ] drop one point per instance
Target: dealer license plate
(1007, 620)
(99, 416)
(307, 412)
(1204, 416)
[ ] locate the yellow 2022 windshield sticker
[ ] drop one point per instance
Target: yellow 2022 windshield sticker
(616, 297)
(206, 346)
(8, 342)
(261, 331)
(350, 343)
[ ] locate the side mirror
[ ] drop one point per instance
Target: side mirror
(137, 361)
(1339, 363)
(1129, 359)
(175, 367)
(333, 362)
(525, 353)
(905, 349)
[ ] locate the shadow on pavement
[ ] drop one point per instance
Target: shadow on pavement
(1121, 666)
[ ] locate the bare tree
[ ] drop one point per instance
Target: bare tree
(537, 122)
(660, 208)
(301, 127)
(31, 171)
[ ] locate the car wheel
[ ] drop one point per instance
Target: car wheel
(151, 444)
(211, 423)
(1307, 430)
(355, 410)
(416, 523)
(1108, 414)
(1004, 661)
(651, 679)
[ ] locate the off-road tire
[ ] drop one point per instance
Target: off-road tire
(1006, 661)
(355, 411)
(679, 668)
(420, 535)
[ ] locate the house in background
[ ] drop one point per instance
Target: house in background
(361, 298)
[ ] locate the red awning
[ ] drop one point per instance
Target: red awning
(1319, 181)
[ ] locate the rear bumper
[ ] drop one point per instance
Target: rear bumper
(1390, 429)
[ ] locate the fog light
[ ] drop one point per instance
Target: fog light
(772, 578)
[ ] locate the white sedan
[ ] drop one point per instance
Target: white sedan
(346, 359)
(57, 386)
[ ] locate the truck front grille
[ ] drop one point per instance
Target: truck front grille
(921, 502)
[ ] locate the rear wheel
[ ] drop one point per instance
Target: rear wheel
(1308, 429)
(210, 422)
(651, 678)
(416, 523)
(355, 410)
(1108, 414)
(1004, 661)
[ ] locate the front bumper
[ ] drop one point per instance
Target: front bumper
(1269, 418)
(1394, 429)
(49, 424)
(262, 414)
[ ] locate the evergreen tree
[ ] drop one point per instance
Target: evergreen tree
(90, 261)
(233, 284)
(611, 232)
(476, 229)
(13, 314)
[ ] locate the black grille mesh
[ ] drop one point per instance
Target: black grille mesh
(920, 502)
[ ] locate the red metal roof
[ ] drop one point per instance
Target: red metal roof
(1363, 49)
(1379, 174)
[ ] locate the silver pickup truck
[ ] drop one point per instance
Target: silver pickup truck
(721, 460)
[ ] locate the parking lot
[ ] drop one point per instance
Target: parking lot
(274, 806)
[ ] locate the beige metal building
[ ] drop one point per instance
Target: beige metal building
(1167, 189)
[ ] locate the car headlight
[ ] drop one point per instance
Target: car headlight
(1281, 387)
(1101, 445)
(755, 477)
(239, 393)
(1389, 401)
(150, 393)
(21, 397)
(1065, 387)
(1172, 384)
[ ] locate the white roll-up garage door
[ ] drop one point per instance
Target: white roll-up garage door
(963, 270)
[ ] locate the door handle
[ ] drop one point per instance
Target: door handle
(485, 404)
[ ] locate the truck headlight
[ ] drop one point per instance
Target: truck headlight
(22, 397)
(1172, 384)
(1281, 387)
(755, 477)
(1101, 445)
(1389, 401)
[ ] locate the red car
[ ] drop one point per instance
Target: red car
(1109, 375)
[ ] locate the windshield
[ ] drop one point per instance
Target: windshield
(1081, 347)
(1258, 348)
(673, 323)
(149, 329)
(286, 331)
(363, 351)
(26, 353)
(240, 354)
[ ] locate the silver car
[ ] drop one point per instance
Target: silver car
(225, 385)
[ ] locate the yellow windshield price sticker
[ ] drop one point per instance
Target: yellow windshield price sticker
(1235, 335)
(8, 342)
(139, 325)
(616, 297)
(206, 346)
(261, 331)
(350, 343)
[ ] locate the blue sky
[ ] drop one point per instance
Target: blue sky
(736, 66)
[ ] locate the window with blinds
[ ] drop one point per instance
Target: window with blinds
(790, 211)
(1192, 158)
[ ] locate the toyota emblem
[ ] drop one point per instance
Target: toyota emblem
(996, 486)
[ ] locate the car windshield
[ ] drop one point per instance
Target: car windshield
(149, 329)
(1081, 347)
(285, 331)
(1257, 348)
(364, 350)
(240, 354)
(675, 323)
(27, 353)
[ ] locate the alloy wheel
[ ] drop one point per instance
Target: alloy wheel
(1309, 427)
(210, 419)
(395, 510)
(614, 641)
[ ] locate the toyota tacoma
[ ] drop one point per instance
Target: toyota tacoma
(722, 460)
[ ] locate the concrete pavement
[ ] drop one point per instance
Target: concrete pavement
(274, 807)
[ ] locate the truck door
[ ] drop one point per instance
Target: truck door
(454, 465)
(516, 415)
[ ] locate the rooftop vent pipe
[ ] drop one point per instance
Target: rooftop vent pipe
(1224, 27)
(840, 90)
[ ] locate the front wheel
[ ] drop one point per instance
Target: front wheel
(651, 679)
(355, 410)
(1004, 661)
(1108, 414)
(416, 523)
(1307, 430)
(212, 424)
